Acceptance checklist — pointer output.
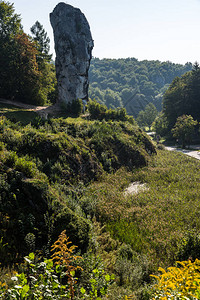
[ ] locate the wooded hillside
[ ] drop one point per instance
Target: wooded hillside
(131, 83)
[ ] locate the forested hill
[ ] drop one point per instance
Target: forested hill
(131, 83)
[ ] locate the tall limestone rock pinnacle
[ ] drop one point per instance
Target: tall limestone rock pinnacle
(73, 47)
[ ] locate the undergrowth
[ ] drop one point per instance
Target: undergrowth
(162, 220)
(71, 174)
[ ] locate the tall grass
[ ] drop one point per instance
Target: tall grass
(155, 221)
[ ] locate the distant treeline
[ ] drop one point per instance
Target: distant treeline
(131, 83)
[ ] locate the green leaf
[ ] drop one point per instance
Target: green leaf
(82, 290)
(49, 263)
(107, 277)
(112, 277)
(58, 268)
(25, 290)
(31, 256)
(95, 271)
(102, 291)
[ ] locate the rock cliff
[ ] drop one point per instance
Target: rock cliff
(73, 47)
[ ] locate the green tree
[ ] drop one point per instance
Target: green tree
(126, 94)
(43, 42)
(23, 76)
(125, 77)
(10, 23)
(141, 119)
(112, 99)
(147, 116)
(182, 97)
(10, 26)
(97, 94)
(184, 129)
(46, 67)
(172, 101)
(160, 125)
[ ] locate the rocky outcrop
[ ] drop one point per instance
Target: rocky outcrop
(73, 47)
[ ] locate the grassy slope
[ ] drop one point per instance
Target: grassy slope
(44, 168)
(47, 177)
(157, 221)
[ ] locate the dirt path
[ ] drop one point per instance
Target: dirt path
(43, 111)
(191, 152)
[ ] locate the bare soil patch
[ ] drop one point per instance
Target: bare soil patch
(135, 188)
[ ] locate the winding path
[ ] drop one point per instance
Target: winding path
(191, 152)
(43, 111)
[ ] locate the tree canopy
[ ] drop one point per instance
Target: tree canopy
(147, 116)
(184, 129)
(26, 73)
(42, 41)
(10, 22)
(183, 97)
(131, 83)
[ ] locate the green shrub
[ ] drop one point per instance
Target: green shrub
(189, 247)
(75, 107)
(26, 167)
(96, 110)
(100, 112)
(75, 226)
(40, 280)
(55, 278)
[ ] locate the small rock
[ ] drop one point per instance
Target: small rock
(135, 188)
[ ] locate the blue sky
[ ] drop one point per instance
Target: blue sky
(154, 30)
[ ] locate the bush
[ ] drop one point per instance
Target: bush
(55, 278)
(96, 110)
(160, 147)
(189, 247)
(100, 112)
(75, 107)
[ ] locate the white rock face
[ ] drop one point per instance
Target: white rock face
(73, 47)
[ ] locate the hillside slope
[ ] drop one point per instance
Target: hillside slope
(44, 167)
(131, 83)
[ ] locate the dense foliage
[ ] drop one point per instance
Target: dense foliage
(160, 125)
(184, 129)
(131, 83)
(54, 278)
(42, 170)
(26, 74)
(70, 174)
(182, 97)
(147, 116)
(99, 111)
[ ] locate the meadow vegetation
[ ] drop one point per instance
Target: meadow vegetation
(63, 179)
(71, 174)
